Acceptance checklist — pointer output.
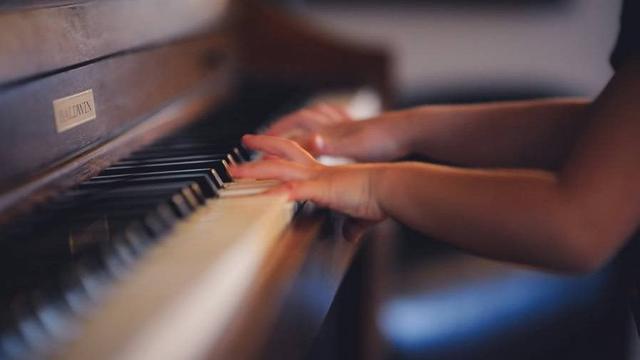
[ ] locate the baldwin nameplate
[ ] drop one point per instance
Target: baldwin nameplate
(74, 110)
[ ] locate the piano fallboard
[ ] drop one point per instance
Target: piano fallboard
(44, 36)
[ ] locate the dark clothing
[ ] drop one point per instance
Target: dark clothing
(628, 45)
(631, 268)
(629, 37)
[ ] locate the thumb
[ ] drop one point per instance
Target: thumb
(314, 143)
(304, 190)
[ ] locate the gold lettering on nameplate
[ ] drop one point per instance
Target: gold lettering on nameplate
(74, 110)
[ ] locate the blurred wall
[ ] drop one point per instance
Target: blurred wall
(563, 46)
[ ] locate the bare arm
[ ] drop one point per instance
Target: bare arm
(574, 219)
(571, 220)
(533, 133)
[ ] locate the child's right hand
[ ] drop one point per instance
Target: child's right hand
(349, 189)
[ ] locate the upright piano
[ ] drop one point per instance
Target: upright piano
(121, 233)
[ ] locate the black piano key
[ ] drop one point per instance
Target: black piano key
(124, 210)
(237, 152)
(187, 192)
(119, 208)
(107, 205)
(156, 222)
(189, 142)
(29, 326)
(181, 200)
(241, 154)
(180, 206)
(93, 278)
(164, 214)
(207, 186)
(89, 199)
(139, 199)
(155, 225)
(75, 296)
(123, 207)
(169, 158)
(54, 314)
(157, 217)
(137, 237)
(191, 192)
(211, 174)
(142, 189)
(124, 253)
(220, 166)
(112, 261)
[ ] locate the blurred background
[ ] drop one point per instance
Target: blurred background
(460, 49)
(433, 301)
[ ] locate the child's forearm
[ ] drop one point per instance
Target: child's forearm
(536, 133)
(515, 215)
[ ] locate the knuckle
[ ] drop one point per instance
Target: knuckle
(293, 188)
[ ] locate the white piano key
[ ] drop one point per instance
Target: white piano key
(247, 187)
(183, 292)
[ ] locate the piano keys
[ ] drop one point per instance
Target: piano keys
(183, 219)
(101, 227)
(124, 235)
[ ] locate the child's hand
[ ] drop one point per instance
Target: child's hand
(347, 189)
(327, 130)
(309, 119)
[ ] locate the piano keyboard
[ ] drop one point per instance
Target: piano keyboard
(174, 203)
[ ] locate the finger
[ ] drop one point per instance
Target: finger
(318, 144)
(314, 190)
(269, 157)
(335, 113)
(283, 125)
(278, 146)
(293, 189)
(309, 142)
(305, 119)
(311, 119)
(272, 169)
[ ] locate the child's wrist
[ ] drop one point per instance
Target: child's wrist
(380, 174)
(394, 135)
(404, 127)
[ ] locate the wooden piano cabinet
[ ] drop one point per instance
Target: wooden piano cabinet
(140, 96)
(273, 44)
(351, 330)
(291, 309)
(348, 331)
(317, 296)
(44, 36)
